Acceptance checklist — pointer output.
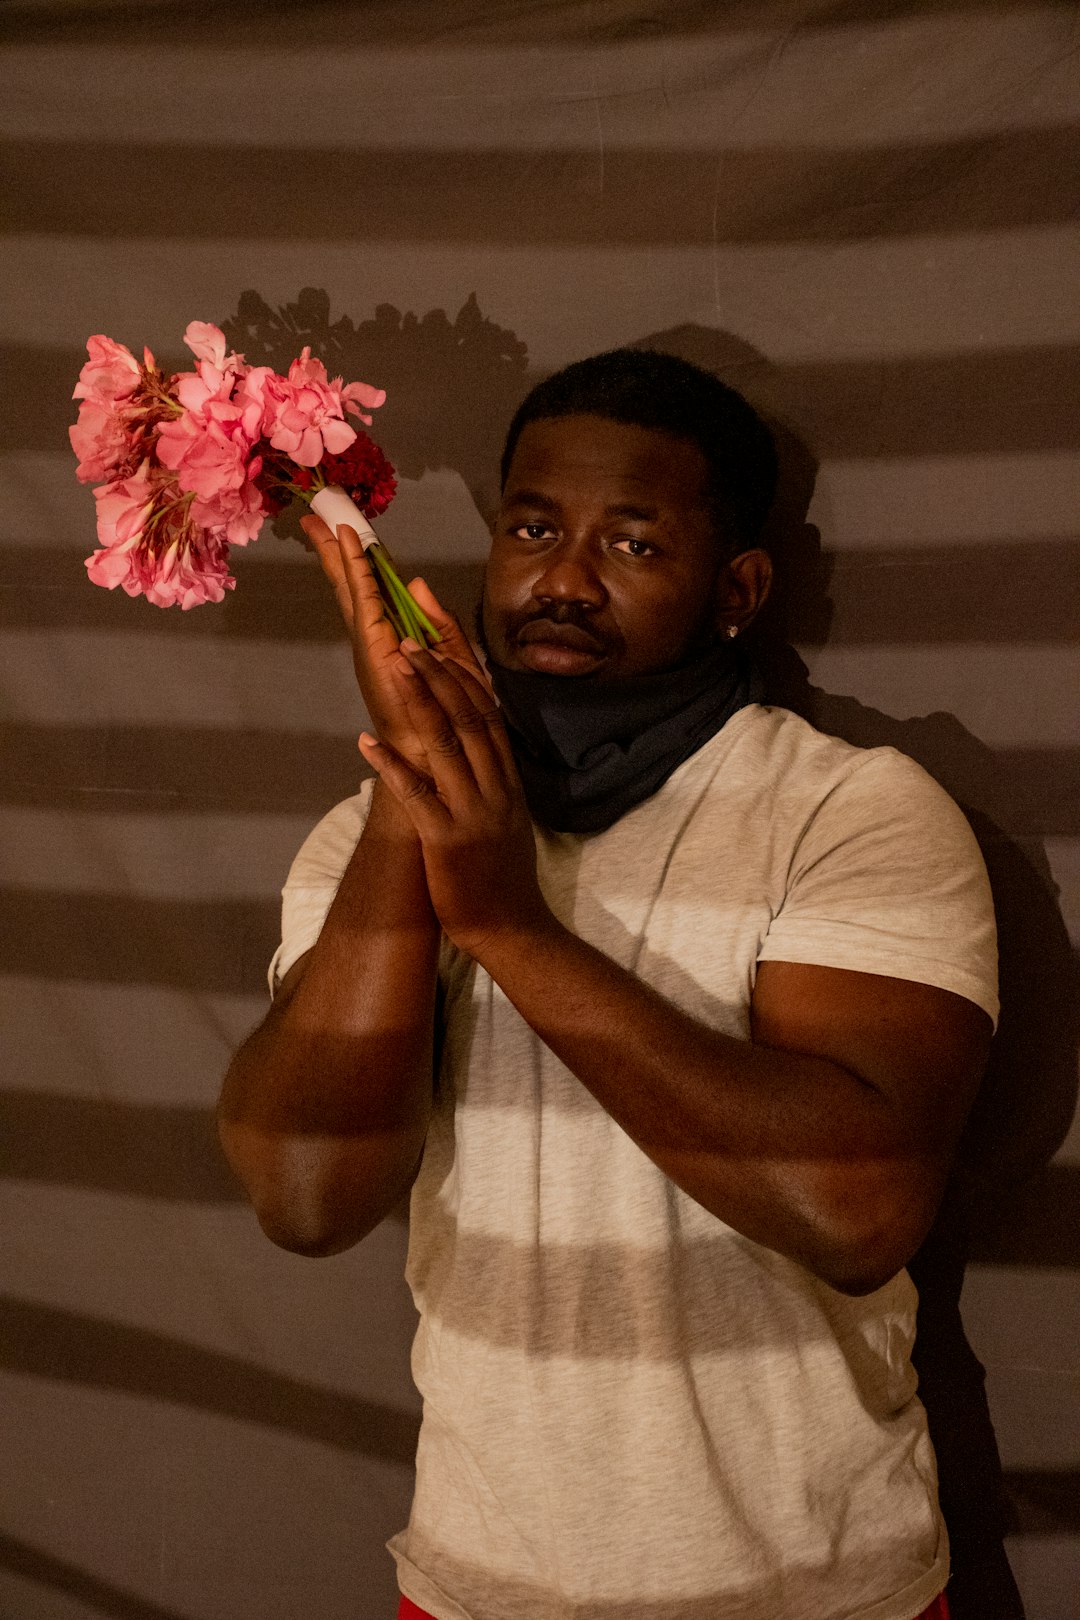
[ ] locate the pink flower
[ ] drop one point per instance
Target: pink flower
(152, 546)
(207, 342)
(194, 569)
(308, 373)
(206, 456)
(112, 566)
(124, 506)
(210, 454)
(183, 458)
(197, 389)
(357, 394)
(305, 412)
(110, 374)
(250, 399)
(100, 439)
(216, 373)
(234, 515)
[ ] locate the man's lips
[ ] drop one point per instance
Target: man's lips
(560, 635)
(558, 649)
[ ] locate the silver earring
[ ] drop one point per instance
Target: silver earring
(732, 631)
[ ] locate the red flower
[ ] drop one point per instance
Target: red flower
(363, 472)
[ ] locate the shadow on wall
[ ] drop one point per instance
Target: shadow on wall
(1004, 1199)
(1030, 1092)
(450, 383)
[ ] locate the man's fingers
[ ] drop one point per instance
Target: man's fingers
(346, 565)
(326, 549)
(478, 688)
(342, 558)
(315, 528)
(456, 719)
(363, 586)
(454, 643)
(409, 787)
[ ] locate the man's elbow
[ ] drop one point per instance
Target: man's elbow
(860, 1274)
(318, 1198)
(873, 1238)
(291, 1230)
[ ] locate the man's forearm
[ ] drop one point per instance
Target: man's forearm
(793, 1151)
(325, 1107)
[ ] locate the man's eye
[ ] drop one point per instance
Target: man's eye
(634, 547)
(532, 531)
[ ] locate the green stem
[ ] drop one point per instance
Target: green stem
(407, 609)
(404, 612)
(394, 596)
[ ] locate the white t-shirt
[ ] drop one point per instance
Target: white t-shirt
(631, 1411)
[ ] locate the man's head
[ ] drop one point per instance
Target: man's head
(635, 487)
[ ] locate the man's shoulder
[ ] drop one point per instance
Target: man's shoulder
(777, 743)
(778, 767)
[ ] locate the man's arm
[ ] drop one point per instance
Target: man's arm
(325, 1107)
(826, 1137)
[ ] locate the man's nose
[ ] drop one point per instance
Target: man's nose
(571, 574)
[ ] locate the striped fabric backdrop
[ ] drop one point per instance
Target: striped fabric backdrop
(864, 214)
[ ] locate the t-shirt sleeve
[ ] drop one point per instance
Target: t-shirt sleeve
(887, 878)
(314, 878)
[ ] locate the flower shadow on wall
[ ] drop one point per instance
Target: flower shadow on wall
(452, 385)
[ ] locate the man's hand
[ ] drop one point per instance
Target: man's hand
(374, 641)
(465, 802)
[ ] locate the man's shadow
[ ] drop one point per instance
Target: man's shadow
(1003, 1189)
(453, 386)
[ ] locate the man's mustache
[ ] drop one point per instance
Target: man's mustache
(564, 614)
(556, 613)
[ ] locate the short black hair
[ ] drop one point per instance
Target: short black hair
(652, 390)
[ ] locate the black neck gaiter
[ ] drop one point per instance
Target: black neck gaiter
(589, 751)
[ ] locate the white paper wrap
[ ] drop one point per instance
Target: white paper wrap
(335, 507)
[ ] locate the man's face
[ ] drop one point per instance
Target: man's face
(604, 560)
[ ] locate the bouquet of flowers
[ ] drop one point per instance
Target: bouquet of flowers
(192, 463)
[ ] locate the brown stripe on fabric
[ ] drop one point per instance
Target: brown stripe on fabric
(215, 946)
(142, 1150)
(1037, 1224)
(622, 1302)
(586, 198)
(1030, 792)
(1045, 1501)
(983, 401)
(47, 589)
(220, 24)
(607, 1300)
(165, 768)
(171, 1153)
(137, 1150)
(1025, 590)
(46, 1341)
(29, 1563)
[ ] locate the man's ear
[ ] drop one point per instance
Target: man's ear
(742, 588)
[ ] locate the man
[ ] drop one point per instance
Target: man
(671, 1010)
